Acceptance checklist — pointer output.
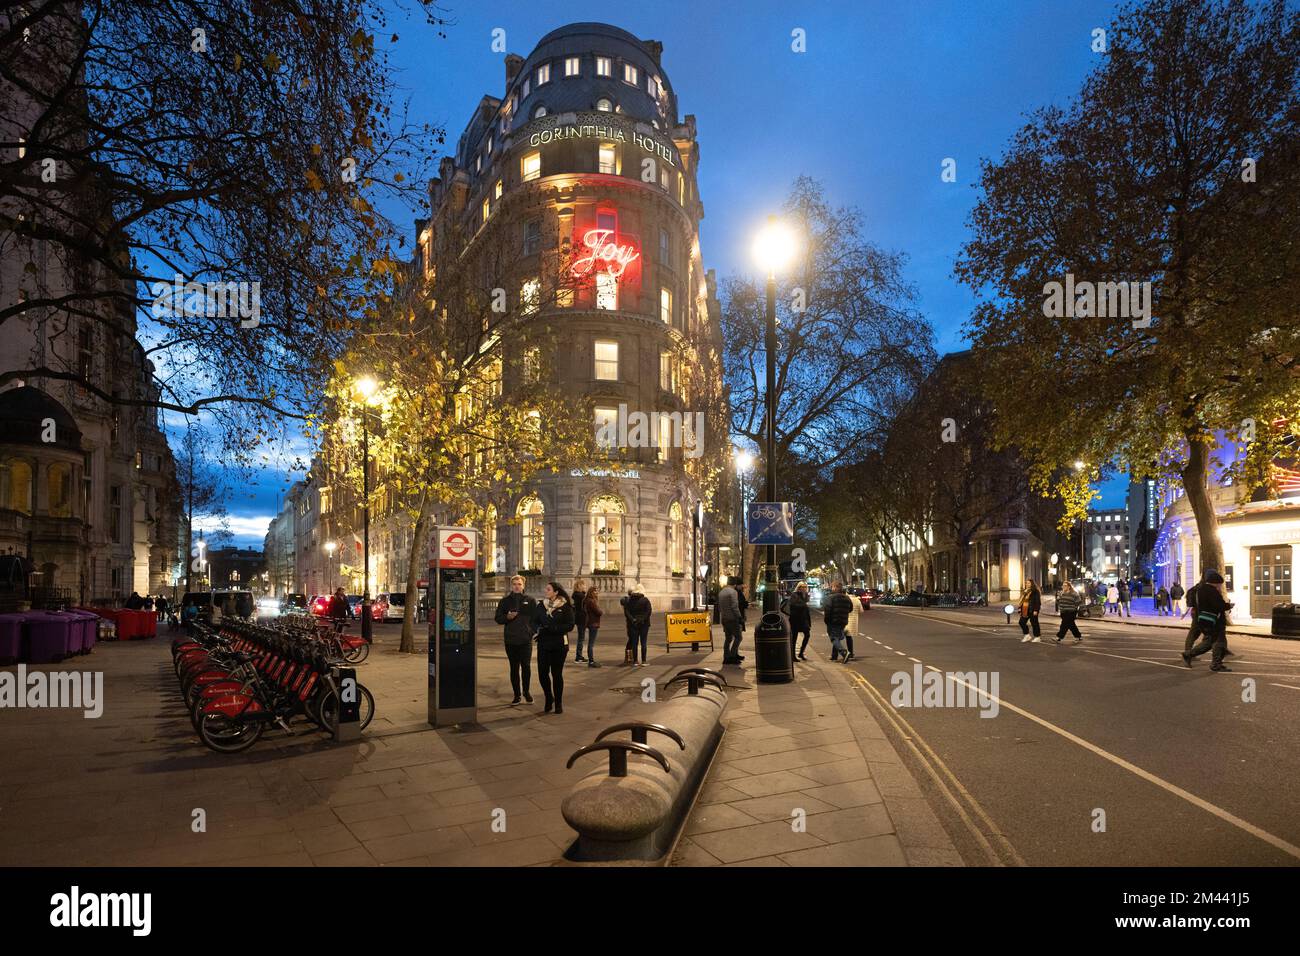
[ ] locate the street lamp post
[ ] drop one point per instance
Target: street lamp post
(366, 388)
(329, 565)
(744, 462)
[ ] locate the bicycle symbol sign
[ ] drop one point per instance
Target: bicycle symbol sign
(771, 522)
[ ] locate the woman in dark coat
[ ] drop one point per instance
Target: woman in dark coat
(554, 622)
(592, 613)
(800, 620)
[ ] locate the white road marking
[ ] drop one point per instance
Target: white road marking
(1287, 686)
(900, 653)
(914, 660)
(1289, 848)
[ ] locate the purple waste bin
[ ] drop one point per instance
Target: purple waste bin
(48, 635)
(85, 626)
(11, 637)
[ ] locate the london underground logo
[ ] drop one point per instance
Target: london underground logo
(457, 545)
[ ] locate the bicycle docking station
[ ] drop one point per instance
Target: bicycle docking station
(349, 722)
(453, 664)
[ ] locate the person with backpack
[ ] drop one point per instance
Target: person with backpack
(800, 620)
(516, 611)
(1067, 605)
(553, 620)
(637, 611)
(1212, 607)
(1031, 602)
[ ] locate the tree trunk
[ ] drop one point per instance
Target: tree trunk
(1195, 477)
(413, 567)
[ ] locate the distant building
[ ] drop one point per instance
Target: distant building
(237, 568)
(1108, 543)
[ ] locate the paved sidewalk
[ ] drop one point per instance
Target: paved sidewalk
(806, 777)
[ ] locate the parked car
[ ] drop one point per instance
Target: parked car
(293, 604)
(320, 604)
(198, 604)
(394, 604)
(234, 603)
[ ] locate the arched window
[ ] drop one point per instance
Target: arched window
(539, 112)
(490, 542)
(59, 482)
(16, 492)
(605, 105)
(676, 539)
(533, 514)
(607, 513)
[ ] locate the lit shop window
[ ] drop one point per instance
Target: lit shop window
(544, 74)
(604, 105)
(608, 158)
(606, 428)
(604, 66)
(666, 305)
(571, 66)
(630, 74)
(606, 291)
(531, 166)
(539, 112)
(606, 361)
(530, 296)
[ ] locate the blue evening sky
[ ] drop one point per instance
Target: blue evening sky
(885, 92)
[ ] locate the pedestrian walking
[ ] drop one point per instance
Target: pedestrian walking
(1137, 588)
(800, 620)
(1031, 602)
(592, 613)
(1067, 605)
(134, 602)
(1176, 599)
(161, 605)
(1124, 597)
(836, 617)
(1112, 600)
(338, 609)
(1212, 607)
(1162, 602)
(579, 592)
(516, 611)
(637, 610)
(553, 618)
(732, 621)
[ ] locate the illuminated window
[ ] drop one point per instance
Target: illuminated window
(666, 305)
(663, 177)
(530, 296)
(564, 298)
(544, 74)
(489, 147)
(487, 209)
(478, 164)
(606, 291)
(604, 66)
(539, 112)
(608, 158)
(604, 105)
(532, 365)
(606, 361)
(681, 188)
(571, 66)
(533, 531)
(607, 513)
(17, 491)
(490, 542)
(676, 539)
(496, 191)
(606, 428)
(666, 371)
(665, 436)
(630, 74)
(531, 166)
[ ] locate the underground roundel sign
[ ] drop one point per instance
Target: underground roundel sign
(457, 547)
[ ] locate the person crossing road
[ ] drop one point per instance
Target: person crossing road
(1067, 605)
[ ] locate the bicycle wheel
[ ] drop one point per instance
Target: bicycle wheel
(225, 735)
(329, 707)
(355, 655)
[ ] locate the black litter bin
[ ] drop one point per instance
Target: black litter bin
(1286, 620)
(772, 657)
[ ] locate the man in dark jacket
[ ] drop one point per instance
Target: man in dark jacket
(134, 602)
(800, 620)
(338, 609)
(836, 616)
(516, 611)
(637, 610)
(1211, 619)
(732, 620)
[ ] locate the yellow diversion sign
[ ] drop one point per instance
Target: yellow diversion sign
(689, 627)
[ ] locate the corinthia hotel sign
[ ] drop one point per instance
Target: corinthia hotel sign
(609, 133)
(601, 250)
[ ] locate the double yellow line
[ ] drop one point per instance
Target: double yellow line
(995, 846)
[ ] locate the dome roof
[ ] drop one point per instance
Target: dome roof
(23, 412)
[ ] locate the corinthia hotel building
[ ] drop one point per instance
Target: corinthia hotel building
(587, 143)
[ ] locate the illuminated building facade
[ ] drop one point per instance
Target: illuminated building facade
(584, 168)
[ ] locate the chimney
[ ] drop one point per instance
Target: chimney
(514, 63)
(654, 48)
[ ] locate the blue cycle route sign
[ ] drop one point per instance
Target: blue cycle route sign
(771, 522)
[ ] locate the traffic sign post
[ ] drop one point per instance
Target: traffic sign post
(770, 522)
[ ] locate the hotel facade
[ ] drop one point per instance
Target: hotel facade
(584, 166)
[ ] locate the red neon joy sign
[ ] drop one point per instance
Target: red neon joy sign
(602, 250)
